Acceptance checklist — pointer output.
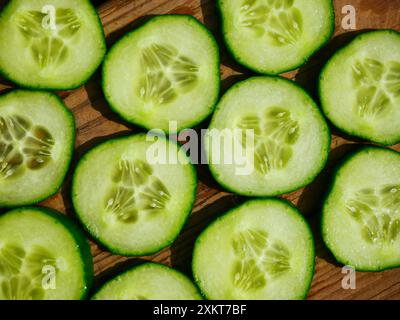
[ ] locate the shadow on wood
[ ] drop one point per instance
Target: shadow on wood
(114, 271)
(312, 197)
(182, 249)
(321, 251)
(308, 75)
(198, 157)
(212, 21)
(98, 102)
(6, 85)
(79, 152)
(113, 37)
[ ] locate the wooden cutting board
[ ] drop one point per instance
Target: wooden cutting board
(96, 123)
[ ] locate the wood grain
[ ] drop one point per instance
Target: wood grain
(96, 122)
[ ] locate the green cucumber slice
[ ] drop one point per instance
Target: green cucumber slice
(261, 250)
(149, 281)
(131, 206)
(50, 44)
(361, 216)
(275, 36)
(37, 135)
(291, 139)
(43, 256)
(166, 70)
(360, 87)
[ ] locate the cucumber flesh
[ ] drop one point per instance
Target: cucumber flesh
(36, 143)
(291, 139)
(51, 248)
(149, 281)
(50, 44)
(136, 208)
(361, 219)
(275, 36)
(360, 87)
(260, 250)
(166, 70)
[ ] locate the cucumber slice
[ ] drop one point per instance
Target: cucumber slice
(291, 139)
(361, 216)
(43, 255)
(50, 44)
(166, 70)
(149, 281)
(275, 36)
(260, 250)
(360, 87)
(37, 134)
(131, 206)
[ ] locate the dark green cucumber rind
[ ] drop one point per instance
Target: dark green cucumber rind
(388, 142)
(288, 190)
(347, 159)
(292, 68)
(181, 275)
(109, 247)
(76, 234)
(217, 69)
(77, 85)
(232, 211)
(57, 185)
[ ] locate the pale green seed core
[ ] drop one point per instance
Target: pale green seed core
(376, 84)
(166, 75)
(274, 136)
(21, 271)
(377, 213)
(257, 258)
(23, 146)
(135, 190)
(49, 47)
(279, 20)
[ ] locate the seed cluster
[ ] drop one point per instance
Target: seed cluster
(280, 20)
(258, 257)
(377, 84)
(135, 190)
(22, 145)
(166, 73)
(378, 213)
(22, 271)
(48, 47)
(274, 134)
